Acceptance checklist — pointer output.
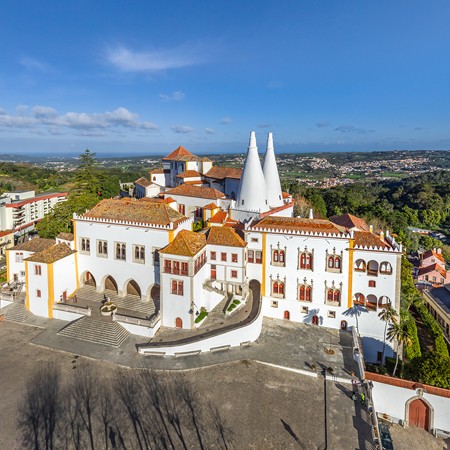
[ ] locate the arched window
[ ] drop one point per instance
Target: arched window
(360, 265)
(333, 296)
(278, 288)
(275, 256)
(331, 262)
(337, 262)
(337, 296)
(278, 257)
(330, 295)
(304, 293)
(372, 268)
(385, 268)
(281, 257)
(306, 261)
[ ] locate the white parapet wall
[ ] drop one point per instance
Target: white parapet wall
(392, 398)
(232, 338)
(140, 329)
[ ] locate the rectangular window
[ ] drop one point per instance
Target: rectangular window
(176, 287)
(274, 303)
(234, 274)
(258, 257)
(305, 309)
(19, 257)
(167, 266)
(102, 248)
(251, 256)
(37, 270)
(234, 257)
(223, 256)
(331, 314)
(139, 254)
(255, 239)
(184, 268)
(38, 293)
(213, 256)
(120, 252)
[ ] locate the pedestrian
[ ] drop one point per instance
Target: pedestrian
(363, 398)
(60, 298)
(75, 298)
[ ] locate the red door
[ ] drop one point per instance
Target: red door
(287, 316)
(418, 414)
(315, 320)
(178, 323)
(213, 272)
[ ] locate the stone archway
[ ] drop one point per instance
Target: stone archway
(132, 288)
(87, 279)
(110, 284)
(419, 413)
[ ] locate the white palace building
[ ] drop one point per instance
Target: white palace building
(247, 249)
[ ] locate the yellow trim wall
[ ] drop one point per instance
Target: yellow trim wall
(263, 284)
(171, 235)
(27, 293)
(350, 272)
(8, 269)
(74, 226)
(51, 290)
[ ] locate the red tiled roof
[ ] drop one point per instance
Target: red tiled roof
(35, 199)
(51, 254)
(225, 236)
(368, 239)
(6, 232)
(35, 245)
(158, 171)
(219, 217)
(221, 173)
(196, 191)
(181, 154)
(210, 206)
(186, 243)
(286, 195)
(298, 224)
(430, 253)
(157, 200)
(350, 221)
(65, 236)
(143, 182)
(189, 174)
(432, 268)
(132, 210)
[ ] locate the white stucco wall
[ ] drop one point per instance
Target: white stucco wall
(38, 305)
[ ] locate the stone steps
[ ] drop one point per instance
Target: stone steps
(95, 331)
(16, 312)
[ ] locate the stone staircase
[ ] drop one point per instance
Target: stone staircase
(16, 312)
(96, 331)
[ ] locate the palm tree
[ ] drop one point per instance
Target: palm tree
(388, 315)
(400, 333)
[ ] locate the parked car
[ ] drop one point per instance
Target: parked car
(385, 437)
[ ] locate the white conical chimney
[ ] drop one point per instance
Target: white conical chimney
(271, 176)
(252, 194)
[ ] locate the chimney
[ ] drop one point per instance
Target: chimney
(271, 176)
(439, 251)
(311, 214)
(381, 235)
(371, 228)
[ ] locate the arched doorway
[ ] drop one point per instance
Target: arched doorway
(287, 315)
(111, 284)
(344, 325)
(419, 414)
(88, 279)
(133, 288)
(315, 320)
(178, 323)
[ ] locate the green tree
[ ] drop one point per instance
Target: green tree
(389, 316)
(399, 332)
(433, 369)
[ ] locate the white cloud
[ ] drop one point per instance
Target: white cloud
(181, 129)
(33, 64)
(47, 119)
(175, 96)
(127, 60)
(209, 131)
(226, 120)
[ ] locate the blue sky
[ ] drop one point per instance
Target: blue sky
(144, 77)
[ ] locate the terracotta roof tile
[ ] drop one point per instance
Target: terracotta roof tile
(196, 191)
(143, 182)
(189, 174)
(432, 268)
(295, 223)
(65, 236)
(286, 195)
(52, 254)
(6, 232)
(219, 217)
(221, 173)
(186, 243)
(349, 221)
(181, 154)
(225, 236)
(35, 245)
(158, 171)
(157, 200)
(430, 253)
(210, 206)
(135, 211)
(368, 239)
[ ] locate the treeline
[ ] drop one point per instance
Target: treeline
(422, 201)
